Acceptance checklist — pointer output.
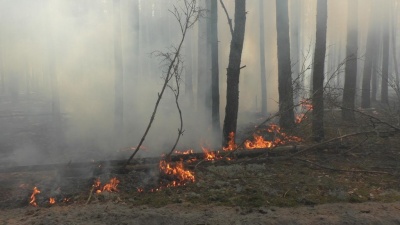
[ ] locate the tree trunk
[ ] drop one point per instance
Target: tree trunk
(262, 60)
(233, 70)
(394, 43)
(369, 58)
(385, 55)
(203, 67)
(318, 74)
(189, 68)
(214, 67)
(295, 14)
(119, 89)
(285, 87)
(349, 92)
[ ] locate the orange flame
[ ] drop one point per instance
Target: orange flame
(111, 186)
(300, 117)
(33, 196)
(279, 138)
(231, 143)
(306, 104)
(209, 155)
(178, 172)
(187, 152)
(52, 201)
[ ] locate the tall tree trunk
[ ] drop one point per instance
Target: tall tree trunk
(118, 69)
(318, 74)
(214, 67)
(233, 70)
(394, 43)
(350, 82)
(385, 54)
(295, 12)
(203, 67)
(285, 87)
(262, 60)
(369, 59)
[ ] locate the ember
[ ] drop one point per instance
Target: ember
(33, 196)
(109, 187)
(187, 152)
(209, 155)
(52, 201)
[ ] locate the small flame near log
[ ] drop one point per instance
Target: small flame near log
(231, 143)
(279, 138)
(179, 175)
(52, 201)
(33, 196)
(111, 186)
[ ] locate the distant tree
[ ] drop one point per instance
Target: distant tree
(318, 73)
(394, 22)
(233, 70)
(350, 82)
(189, 67)
(213, 34)
(203, 64)
(262, 60)
(385, 53)
(295, 23)
(285, 87)
(369, 58)
(118, 69)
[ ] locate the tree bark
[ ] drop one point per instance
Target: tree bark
(350, 82)
(369, 58)
(233, 70)
(385, 55)
(318, 73)
(285, 87)
(262, 60)
(118, 69)
(214, 67)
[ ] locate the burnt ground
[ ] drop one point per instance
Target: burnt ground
(352, 180)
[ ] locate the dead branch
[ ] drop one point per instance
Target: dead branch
(342, 170)
(227, 16)
(191, 16)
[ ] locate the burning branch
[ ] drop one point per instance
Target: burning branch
(187, 15)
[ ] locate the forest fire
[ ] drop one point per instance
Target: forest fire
(279, 137)
(52, 201)
(209, 155)
(33, 196)
(111, 186)
(231, 143)
(179, 175)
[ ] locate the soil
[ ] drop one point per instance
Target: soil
(187, 213)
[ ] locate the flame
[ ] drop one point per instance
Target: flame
(231, 143)
(300, 117)
(187, 152)
(33, 196)
(279, 138)
(111, 186)
(52, 201)
(178, 172)
(209, 155)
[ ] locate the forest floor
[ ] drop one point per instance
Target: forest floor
(351, 180)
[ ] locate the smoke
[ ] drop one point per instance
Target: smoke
(75, 38)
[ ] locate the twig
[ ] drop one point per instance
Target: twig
(227, 16)
(325, 142)
(342, 170)
(90, 195)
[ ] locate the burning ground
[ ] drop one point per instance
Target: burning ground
(248, 186)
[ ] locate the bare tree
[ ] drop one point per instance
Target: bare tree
(350, 82)
(385, 54)
(118, 69)
(318, 72)
(262, 60)
(233, 70)
(285, 87)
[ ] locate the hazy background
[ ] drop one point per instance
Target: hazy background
(76, 37)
